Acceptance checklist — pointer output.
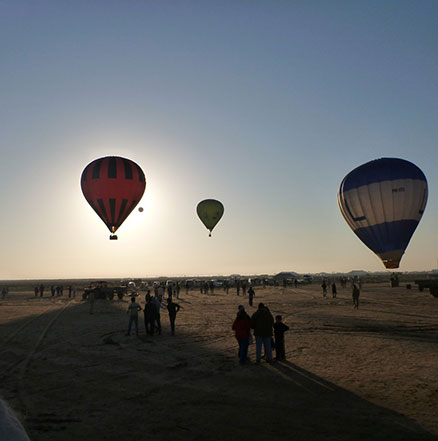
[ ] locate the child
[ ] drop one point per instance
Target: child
(279, 329)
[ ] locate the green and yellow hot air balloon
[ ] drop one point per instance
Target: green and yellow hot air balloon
(210, 212)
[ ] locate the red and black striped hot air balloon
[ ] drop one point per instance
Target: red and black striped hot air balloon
(113, 186)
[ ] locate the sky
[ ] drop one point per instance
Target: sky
(263, 105)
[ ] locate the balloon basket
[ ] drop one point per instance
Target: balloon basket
(113, 237)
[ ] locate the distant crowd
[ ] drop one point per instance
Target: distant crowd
(55, 291)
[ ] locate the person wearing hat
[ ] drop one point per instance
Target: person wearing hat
(242, 329)
(279, 329)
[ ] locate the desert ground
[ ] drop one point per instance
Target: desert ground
(351, 374)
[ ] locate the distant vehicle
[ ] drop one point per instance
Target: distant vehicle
(269, 281)
(255, 281)
(307, 278)
(102, 290)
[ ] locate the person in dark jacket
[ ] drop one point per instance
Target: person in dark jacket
(355, 294)
(242, 329)
(261, 322)
(279, 329)
(173, 308)
(334, 290)
(251, 294)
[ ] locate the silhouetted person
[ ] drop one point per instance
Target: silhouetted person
(132, 311)
(261, 322)
(157, 304)
(279, 329)
(172, 308)
(251, 294)
(149, 315)
(242, 329)
(324, 289)
(334, 290)
(355, 294)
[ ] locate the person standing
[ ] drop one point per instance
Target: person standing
(324, 288)
(132, 311)
(157, 318)
(242, 328)
(244, 286)
(172, 308)
(262, 321)
(355, 294)
(149, 315)
(177, 289)
(160, 292)
(334, 290)
(251, 294)
(279, 329)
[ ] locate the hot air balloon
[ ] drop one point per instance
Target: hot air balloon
(383, 202)
(113, 186)
(210, 212)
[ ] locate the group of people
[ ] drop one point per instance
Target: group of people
(356, 286)
(264, 326)
(325, 286)
(152, 316)
(57, 291)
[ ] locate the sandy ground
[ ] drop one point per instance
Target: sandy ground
(366, 374)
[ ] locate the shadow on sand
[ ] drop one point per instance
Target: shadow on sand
(78, 376)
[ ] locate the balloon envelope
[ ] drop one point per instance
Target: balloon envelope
(383, 202)
(210, 212)
(113, 186)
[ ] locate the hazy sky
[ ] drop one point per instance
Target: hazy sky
(264, 105)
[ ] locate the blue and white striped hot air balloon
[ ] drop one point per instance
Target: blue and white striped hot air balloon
(383, 201)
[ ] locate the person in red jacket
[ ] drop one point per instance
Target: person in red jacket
(242, 329)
